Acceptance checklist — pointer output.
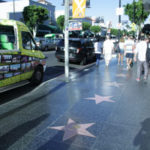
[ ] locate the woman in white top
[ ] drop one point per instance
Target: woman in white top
(97, 47)
(121, 51)
(107, 50)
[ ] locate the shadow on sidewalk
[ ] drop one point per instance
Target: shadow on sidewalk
(15, 134)
(142, 139)
(31, 102)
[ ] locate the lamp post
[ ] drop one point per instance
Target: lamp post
(119, 20)
(67, 40)
(133, 11)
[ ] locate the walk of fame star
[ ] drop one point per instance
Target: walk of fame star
(72, 129)
(99, 99)
(116, 84)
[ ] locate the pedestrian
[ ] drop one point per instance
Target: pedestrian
(148, 52)
(129, 47)
(121, 51)
(108, 47)
(140, 53)
(98, 49)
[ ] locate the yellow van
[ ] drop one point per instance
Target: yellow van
(20, 59)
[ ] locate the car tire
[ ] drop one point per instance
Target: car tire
(83, 61)
(37, 76)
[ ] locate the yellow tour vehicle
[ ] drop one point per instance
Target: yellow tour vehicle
(20, 60)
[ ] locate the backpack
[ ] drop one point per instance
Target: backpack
(148, 53)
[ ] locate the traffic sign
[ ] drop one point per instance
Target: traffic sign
(119, 11)
(78, 10)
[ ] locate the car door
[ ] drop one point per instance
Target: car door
(9, 56)
(29, 55)
(91, 49)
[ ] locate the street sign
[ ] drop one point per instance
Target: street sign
(70, 3)
(119, 11)
(78, 8)
(75, 25)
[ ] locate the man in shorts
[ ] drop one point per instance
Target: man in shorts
(129, 51)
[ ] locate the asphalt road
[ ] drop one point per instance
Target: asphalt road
(54, 69)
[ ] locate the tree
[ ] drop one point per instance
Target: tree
(34, 16)
(86, 26)
(95, 29)
(60, 21)
(140, 15)
(114, 31)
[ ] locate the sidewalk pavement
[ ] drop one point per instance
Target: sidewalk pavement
(99, 109)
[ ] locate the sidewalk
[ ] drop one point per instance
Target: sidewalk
(99, 109)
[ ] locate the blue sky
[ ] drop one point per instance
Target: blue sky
(105, 8)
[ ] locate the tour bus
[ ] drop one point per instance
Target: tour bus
(20, 60)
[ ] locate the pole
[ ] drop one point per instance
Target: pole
(14, 9)
(133, 11)
(66, 40)
(119, 20)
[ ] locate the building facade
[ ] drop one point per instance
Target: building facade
(14, 10)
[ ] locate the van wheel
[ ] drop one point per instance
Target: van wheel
(83, 61)
(37, 76)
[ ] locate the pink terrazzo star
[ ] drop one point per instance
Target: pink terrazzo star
(72, 129)
(99, 99)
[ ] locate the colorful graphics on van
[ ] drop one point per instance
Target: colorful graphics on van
(13, 65)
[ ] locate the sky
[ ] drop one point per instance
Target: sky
(105, 8)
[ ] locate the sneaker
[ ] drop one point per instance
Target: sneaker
(138, 79)
(145, 80)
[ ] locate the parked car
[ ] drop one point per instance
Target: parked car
(80, 50)
(48, 44)
(20, 59)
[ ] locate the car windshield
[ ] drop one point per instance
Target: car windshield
(71, 43)
(7, 38)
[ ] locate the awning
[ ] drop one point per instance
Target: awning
(51, 28)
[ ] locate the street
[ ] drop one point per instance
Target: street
(54, 69)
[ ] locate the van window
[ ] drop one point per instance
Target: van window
(27, 41)
(7, 38)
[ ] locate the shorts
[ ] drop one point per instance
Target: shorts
(129, 55)
(121, 51)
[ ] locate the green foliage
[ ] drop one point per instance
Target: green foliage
(86, 26)
(114, 31)
(95, 29)
(140, 15)
(60, 21)
(34, 15)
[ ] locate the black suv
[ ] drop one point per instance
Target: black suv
(80, 50)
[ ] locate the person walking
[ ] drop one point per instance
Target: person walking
(129, 51)
(140, 53)
(98, 49)
(108, 47)
(121, 51)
